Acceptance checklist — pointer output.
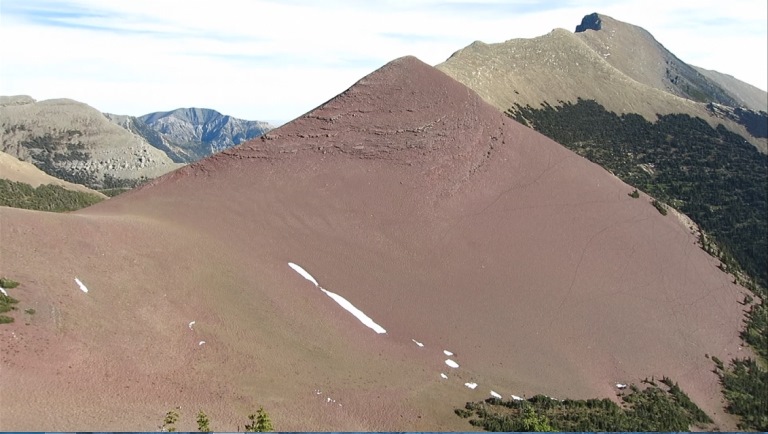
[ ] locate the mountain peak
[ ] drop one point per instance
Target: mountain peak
(406, 112)
(592, 21)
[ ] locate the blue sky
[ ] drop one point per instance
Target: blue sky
(275, 60)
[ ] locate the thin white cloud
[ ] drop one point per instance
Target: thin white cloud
(279, 59)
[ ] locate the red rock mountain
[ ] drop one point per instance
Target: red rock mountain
(441, 219)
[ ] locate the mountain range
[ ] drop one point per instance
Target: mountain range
(77, 143)
(375, 264)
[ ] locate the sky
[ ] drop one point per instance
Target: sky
(276, 60)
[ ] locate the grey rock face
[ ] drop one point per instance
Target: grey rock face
(189, 134)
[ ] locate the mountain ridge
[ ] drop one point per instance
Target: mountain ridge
(562, 66)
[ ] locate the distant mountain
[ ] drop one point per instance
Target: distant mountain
(189, 134)
(619, 65)
(75, 142)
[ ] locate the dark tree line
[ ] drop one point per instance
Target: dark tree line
(711, 174)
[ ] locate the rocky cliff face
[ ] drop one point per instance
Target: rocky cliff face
(77, 143)
(189, 134)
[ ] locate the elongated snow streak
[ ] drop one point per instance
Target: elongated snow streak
(445, 377)
(343, 302)
(517, 398)
(471, 385)
(303, 273)
(417, 342)
(80, 284)
(201, 343)
(451, 363)
(495, 395)
(191, 324)
(3, 291)
(447, 353)
(365, 319)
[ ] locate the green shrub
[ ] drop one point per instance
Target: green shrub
(8, 283)
(202, 422)
(635, 194)
(6, 303)
(4, 319)
(260, 422)
(169, 423)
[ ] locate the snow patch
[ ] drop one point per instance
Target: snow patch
(447, 353)
(303, 273)
(417, 342)
(517, 398)
(495, 395)
(3, 291)
(451, 363)
(343, 302)
(80, 284)
(445, 377)
(621, 386)
(201, 343)
(365, 319)
(191, 324)
(471, 385)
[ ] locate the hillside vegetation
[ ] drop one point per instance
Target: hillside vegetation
(712, 175)
(44, 197)
(656, 407)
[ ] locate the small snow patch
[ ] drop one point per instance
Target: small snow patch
(191, 324)
(517, 398)
(80, 284)
(471, 385)
(621, 386)
(201, 343)
(417, 342)
(445, 377)
(303, 273)
(447, 353)
(3, 291)
(495, 395)
(451, 363)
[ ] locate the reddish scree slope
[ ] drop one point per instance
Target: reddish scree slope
(440, 218)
